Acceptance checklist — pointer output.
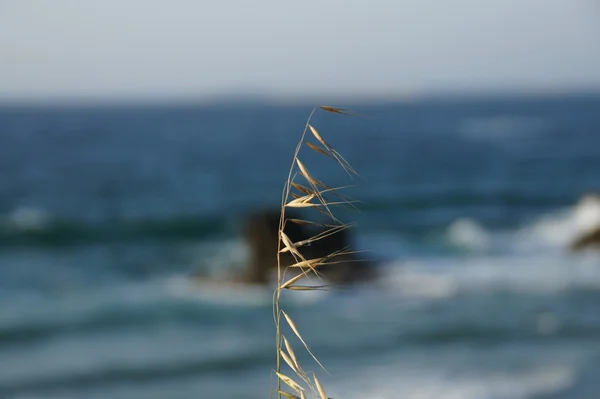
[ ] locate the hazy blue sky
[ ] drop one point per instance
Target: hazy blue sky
(196, 48)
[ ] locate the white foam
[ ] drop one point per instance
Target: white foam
(586, 215)
(551, 232)
(410, 280)
(413, 383)
(444, 277)
(559, 229)
(469, 234)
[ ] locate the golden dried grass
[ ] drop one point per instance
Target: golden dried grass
(314, 194)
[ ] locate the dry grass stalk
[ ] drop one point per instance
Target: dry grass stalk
(313, 194)
(288, 395)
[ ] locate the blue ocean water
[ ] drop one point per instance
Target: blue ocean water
(106, 212)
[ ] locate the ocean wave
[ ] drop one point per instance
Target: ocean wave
(416, 383)
(562, 227)
(175, 300)
(201, 312)
(552, 231)
(444, 277)
(121, 317)
(190, 354)
(35, 227)
(123, 374)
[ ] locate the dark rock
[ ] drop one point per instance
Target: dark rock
(587, 240)
(261, 234)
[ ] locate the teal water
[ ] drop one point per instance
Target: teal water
(105, 212)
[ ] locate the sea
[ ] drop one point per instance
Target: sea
(109, 213)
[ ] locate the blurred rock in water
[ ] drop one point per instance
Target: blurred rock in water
(261, 233)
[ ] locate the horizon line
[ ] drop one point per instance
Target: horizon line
(262, 98)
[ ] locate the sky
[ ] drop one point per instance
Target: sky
(128, 49)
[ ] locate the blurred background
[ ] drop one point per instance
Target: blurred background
(136, 136)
